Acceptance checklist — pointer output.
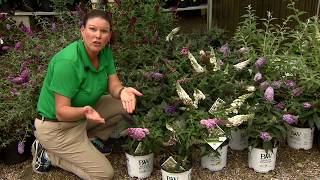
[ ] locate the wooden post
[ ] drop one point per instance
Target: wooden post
(318, 8)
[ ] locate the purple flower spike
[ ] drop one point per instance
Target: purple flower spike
(269, 94)
(257, 77)
(138, 134)
(297, 91)
(276, 84)
(265, 136)
(21, 146)
(170, 109)
(290, 83)
(209, 123)
(5, 48)
(225, 50)
(307, 105)
(22, 78)
(290, 119)
(280, 106)
(18, 45)
(53, 27)
(184, 51)
(154, 75)
(27, 30)
(261, 62)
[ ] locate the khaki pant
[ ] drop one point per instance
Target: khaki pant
(69, 148)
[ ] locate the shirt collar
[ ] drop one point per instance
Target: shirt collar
(86, 60)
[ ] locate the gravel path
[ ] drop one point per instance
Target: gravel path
(291, 164)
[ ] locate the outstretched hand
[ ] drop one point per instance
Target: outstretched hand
(128, 98)
(92, 115)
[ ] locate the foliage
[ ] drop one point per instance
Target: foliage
(23, 69)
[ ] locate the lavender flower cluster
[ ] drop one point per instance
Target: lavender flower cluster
(210, 123)
(290, 119)
(265, 136)
(138, 134)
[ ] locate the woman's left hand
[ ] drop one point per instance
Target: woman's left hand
(128, 98)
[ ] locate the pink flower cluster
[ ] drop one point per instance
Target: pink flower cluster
(265, 136)
(290, 119)
(210, 123)
(269, 94)
(138, 134)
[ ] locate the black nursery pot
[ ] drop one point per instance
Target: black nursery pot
(10, 154)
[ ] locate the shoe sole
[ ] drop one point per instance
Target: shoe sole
(34, 158)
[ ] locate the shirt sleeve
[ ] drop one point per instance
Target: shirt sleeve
(65, 79)
(110, 63)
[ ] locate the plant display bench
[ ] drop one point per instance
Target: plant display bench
(207, 6)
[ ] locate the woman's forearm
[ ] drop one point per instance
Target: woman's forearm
(67, 113)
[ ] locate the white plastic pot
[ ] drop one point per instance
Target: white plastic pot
(300, 138)
(214, 162)
(186, 175)
(261, 161)
(238, 139)
(140, 166)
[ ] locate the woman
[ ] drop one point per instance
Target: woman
(74, 112)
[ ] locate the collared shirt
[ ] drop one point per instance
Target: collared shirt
(71, 74)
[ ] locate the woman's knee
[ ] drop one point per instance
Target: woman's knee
(104, 171)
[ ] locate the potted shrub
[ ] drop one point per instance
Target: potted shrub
(214, 152)
(266, 130)
(139, 153)
(303, 105)
(303, 116)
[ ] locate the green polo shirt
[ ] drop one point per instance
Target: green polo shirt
(71, 74)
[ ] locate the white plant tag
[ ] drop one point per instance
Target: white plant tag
(139, 149)
(217, 138)
(170, 163)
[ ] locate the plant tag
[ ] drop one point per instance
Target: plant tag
(139, 149)
(170, 163)
(216, 138)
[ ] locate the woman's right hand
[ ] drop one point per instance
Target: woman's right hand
(92, 115)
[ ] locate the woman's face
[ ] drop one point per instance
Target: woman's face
(96, 34)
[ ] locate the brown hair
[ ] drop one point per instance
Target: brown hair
(101, 14)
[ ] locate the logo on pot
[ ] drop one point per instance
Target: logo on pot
(172, 178)
(143, 162)
(265, 156)
(296, 133)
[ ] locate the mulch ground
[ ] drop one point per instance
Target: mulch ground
(291, 164)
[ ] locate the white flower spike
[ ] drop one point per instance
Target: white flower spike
(183, 95)
(198, 95)
(251, 88)
(172, 33)
(237, 103)
(241, 65)
(213, 60)
(216, 105)
(239, 119)
(197, 67)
